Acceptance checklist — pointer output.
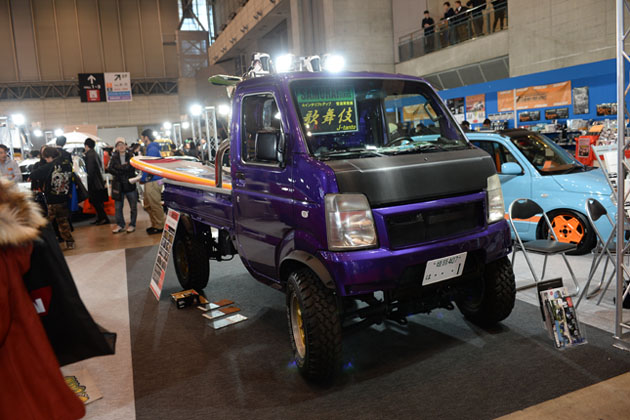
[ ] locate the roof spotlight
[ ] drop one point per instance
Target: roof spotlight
(284, 63)
(333, 63)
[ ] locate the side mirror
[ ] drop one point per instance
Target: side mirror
(511, 168)
(267, 146)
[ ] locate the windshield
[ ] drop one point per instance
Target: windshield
(544, 154)
(350, 118)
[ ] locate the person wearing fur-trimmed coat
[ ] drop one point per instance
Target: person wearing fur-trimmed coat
(31, 384)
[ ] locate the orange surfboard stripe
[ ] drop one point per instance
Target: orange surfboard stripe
(146, 166)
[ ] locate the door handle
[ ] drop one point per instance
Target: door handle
(240, 175)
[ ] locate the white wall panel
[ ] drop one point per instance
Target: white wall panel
(54, 113)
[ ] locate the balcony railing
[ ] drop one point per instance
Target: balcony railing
(474, 23)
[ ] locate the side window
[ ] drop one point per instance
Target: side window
(259, 113)
(499, 153)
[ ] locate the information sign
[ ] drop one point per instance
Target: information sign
(118, 87)
(92, 87)
(328, 109)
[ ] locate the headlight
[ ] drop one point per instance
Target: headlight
(496, 209)
(349, 222)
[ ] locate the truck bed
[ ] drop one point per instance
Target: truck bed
(190, 187)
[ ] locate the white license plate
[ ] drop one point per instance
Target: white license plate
(444, 268)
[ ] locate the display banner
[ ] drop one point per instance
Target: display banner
(118, 87)
(556, 94)
(328, 109)
(164, 250)
(476, 108)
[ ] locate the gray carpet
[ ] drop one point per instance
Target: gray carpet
(439, 366)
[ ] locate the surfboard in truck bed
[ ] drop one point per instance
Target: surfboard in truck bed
(181, 170)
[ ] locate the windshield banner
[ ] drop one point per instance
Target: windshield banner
(328, 110)
(543, 96)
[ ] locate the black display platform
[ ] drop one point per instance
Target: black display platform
(439, 366)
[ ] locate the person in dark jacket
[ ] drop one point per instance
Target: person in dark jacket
(460, 21)
(31, 384)
(96, 185)
(56, 176)
(428, 24)
(476, 8)
(446, 25)
(122, 171)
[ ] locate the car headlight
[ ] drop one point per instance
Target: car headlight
(349, 222)
(496, 208)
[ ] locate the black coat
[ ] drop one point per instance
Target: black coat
(71, 329)
(122, 172)
(56, 178)
(95, 177)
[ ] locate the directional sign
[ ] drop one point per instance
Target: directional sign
(92, 87)
(118, 86)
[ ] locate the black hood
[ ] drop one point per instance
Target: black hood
(414, 177)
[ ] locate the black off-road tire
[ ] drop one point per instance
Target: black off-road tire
(318, 354)
(491, 299)
(191, 261)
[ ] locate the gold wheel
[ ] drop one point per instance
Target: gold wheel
(297, 326)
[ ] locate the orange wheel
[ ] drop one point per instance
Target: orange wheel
(568, 228)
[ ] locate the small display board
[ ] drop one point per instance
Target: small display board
(556, 113)
(164, 251)
(328, 109)
(221, 313)
(529, 116)
(559, 314)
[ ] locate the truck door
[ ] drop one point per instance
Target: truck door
(262, 188)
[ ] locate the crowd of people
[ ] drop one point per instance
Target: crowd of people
(460, 22)
(55, 185)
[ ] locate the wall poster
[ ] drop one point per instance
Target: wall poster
(476, 108)
(580, 100)
(557, 113)
(456, 106)
(529, 116)
(607, 109)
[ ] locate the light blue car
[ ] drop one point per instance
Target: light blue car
(532, 166)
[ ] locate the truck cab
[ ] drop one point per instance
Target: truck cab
(357, 219)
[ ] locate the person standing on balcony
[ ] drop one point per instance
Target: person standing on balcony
(461, 21)
(428, 24)
(476, 9)
(446, 34)
(500, 10)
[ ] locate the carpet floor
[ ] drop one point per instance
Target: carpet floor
(439, 366)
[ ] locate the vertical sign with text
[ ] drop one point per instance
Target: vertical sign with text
(164, 250)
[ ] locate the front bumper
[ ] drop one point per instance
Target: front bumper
(359, 272)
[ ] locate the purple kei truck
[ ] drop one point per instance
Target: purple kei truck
(356, 217)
